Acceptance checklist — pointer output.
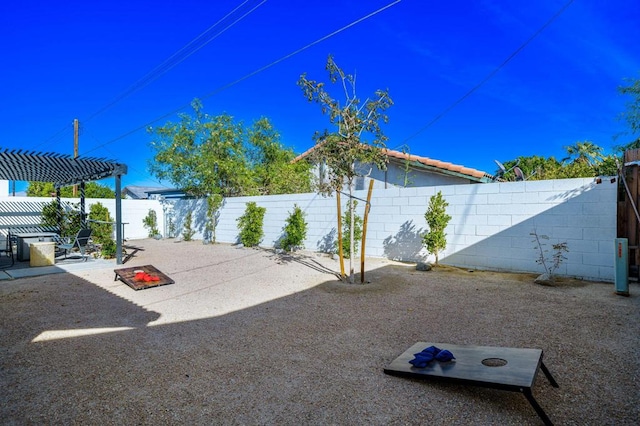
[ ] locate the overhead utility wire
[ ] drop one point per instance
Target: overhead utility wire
(178, 57)
(248, 75)
(129, 167)
(166, 65)
(491, 74)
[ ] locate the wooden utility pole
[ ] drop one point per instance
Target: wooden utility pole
(76, 125)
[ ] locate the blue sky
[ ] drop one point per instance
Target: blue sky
(78, 59)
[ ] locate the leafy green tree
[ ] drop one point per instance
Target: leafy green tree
(583, 152)
(632, 114)
(608, 166)
(47, 189)
(272, 164)
(202, 155)
(208, 156)
(585, 159)
(536, 167)
(341, 150)
(435, 239)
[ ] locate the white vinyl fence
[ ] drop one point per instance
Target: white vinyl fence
(490, 228)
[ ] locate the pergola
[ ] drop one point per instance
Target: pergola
(64, 170)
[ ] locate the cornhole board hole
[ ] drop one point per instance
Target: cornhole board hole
(510, 369)
(132, 277)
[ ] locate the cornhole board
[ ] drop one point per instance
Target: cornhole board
(127, 276)
(510, 369)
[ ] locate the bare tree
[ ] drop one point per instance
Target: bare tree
(341, 150)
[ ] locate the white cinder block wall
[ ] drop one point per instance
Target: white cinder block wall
(490, 226)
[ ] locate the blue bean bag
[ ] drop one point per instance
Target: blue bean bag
(423, 358)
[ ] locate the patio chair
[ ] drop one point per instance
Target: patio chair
(80, 242)
(6, 247)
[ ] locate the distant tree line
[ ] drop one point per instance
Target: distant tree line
(47, 189)
(584, 159)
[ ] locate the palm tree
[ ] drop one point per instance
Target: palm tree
(584, 152)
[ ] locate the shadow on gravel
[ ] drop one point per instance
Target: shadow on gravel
(311, 357)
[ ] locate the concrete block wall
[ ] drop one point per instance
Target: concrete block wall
(491, 224)
(490, 228)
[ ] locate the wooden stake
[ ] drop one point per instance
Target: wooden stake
(340, 254)
(364, 230)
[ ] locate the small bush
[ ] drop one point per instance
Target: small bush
(550, 264)
(108, 249)
(346, 230)
(250, 225)
(187, 231)
(435, 240)
(151, 223)
(172, 227)
(295, 231)
(100, 232)
(214, 202)
(69, 223)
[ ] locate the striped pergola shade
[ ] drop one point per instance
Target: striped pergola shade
(62, 170)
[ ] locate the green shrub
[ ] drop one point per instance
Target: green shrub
(435, 240)
(70, 221)
(346, 230)
(100, 232)
(295, 231)
(250, 225)
(151, 223)
(213, 210)
(172, 227)
(187, 230)
(108, 249)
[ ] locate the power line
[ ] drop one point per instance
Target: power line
(165, 66)
(181, 55)
(259, 70)
(129, 167)
(491, 74)
(56, 136)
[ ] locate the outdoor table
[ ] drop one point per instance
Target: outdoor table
(511, 369)
(26, 238)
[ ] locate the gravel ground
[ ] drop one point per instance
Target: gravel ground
(248, 336)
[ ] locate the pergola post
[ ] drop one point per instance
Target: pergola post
(83, 214)
(59, 209)
(118, 219)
